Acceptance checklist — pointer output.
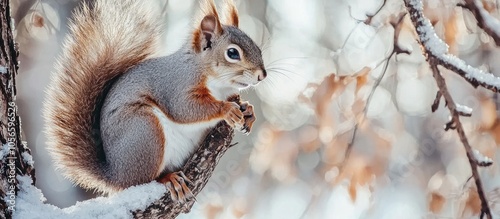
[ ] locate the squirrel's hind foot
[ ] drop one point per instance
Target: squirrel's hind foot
(176, 184)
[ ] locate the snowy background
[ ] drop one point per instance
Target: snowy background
(325, 59)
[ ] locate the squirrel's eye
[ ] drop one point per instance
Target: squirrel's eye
(233, 53)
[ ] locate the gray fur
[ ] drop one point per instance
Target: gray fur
(130, 144)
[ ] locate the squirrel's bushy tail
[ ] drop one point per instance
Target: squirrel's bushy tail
(106, 38)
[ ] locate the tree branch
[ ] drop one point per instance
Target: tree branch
(434, 47)
(15, 156)
(455, 114)
(436, 52)
(485, 21)
(198, 169)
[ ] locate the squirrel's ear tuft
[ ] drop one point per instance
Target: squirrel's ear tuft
(208, 9)
(230, 13)
(207, 28)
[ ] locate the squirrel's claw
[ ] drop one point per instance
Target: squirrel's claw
(234, 117)
(176, 185)
(248, 116)
(240, 116)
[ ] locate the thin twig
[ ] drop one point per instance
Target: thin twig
(435, 47)
(396, 50)
(370, 17)
(485, 209)
(437, 100)
(484, 20)
(438, 56)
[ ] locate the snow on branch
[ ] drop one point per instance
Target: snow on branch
(485, 21)
(463, 110)
(19, 198)
(475, 160)
(30, 203)
(436, 52)
(150, 200)
(434, 47)
(198, 169)
(15, 156)
(481, 159)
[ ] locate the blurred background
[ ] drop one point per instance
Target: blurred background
(341, 74)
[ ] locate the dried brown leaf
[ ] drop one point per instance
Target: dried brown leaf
(490, 122)
(352, 190)
(488, 114)
(213, 210)
(451, 31)
(240, 208)
(473, 202)
(495, 131)
(359, 171)
(489, 6)
(37, 20)
(436, 203)
(362, 78)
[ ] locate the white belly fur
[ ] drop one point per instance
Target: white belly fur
(180, 139)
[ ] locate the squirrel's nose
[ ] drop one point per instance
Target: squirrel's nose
(262, 74)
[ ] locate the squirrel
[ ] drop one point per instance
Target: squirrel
(118, 115)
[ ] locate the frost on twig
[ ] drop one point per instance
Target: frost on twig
(481, 159)
(436, 52)
(456, 124)
(434, 47)
(485, 21)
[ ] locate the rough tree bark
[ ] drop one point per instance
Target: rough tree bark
(12, 148)
(14, 152)
(198, 169)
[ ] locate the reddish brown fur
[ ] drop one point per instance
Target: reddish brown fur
(93, 55)
(231, 14)
(207, 8)
(234, 20)
(196, 41)
(201, 94)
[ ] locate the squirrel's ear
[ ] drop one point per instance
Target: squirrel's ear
(211, 26)
(230, 13)
(208, 28)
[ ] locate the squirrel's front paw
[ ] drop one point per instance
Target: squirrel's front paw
(248, 115)
(234, 116)
(176, 184)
